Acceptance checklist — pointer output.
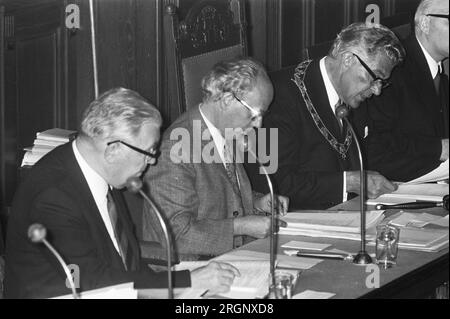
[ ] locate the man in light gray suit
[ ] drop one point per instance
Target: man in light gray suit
(204, 193)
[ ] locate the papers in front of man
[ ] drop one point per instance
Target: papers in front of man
(44, 143)
(252, 283)
(422, 231)
(329, 224)
(410, 193)
(122, 291)
(438, 174)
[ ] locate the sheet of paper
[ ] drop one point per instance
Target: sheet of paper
(283, 260)
(295, 244)
(417, 220)
(252, 283)
(438, 174)
(122, 291)
(334, 221)
(311, 294)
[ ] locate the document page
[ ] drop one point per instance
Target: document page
(438, 174)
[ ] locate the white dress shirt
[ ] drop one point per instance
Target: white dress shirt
(432, 64)
(99, 190)
(333, 98)
(219, 141)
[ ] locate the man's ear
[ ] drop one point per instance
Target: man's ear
(348, 59)
(424, 24)
(226, 100)
(112, 152)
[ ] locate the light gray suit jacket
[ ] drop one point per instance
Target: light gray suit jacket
(197, 198)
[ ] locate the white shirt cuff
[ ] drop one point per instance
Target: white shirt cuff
(345, 194)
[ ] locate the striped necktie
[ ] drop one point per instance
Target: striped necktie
(119, 231)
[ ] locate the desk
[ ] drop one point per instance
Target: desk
(416, 275)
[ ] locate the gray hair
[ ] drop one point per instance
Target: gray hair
(118, 112)
(237, 75)
(372, 39)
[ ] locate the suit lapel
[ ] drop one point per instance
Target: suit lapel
(421, 76)
(91, 212)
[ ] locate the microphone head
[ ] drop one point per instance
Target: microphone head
(134, 184)
(342, 111)
(445, 202)
(37, 233)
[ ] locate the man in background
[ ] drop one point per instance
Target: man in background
(318, 161)
(73, 192)
(198, 183)
(408, 124)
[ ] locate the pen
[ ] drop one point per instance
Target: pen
(322, 256)
(204, 293)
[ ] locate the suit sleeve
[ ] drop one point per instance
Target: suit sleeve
(70, 235)
(398, 154)
(173, 187)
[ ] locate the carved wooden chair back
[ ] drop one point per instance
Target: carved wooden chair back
(212, 30)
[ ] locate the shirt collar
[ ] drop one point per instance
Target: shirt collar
(218, 139)
(432, 64)
(333, 97)
(97, 185)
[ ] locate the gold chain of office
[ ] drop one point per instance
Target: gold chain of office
(299, 80)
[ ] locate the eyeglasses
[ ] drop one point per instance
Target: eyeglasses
(255, 113)
(444, 16)
(384, 83)
(148, 155)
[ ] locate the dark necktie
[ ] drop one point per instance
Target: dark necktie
(437, 79)
(119, 231)
(441, 85)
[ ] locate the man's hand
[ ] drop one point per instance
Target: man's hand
(376, 184)
(216, 277)
(263, 204)
(255, 225)
(444, 154)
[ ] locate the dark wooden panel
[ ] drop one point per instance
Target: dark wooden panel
(293, 37)
(2, 129)
(116, 36)
(257, 29)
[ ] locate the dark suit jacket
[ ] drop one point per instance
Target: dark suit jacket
(57, 195)
(310, 171)
(197, 197)
(405, 122)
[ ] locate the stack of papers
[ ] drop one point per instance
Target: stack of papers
(411, 193)
(329, 224)
(44, 143)
(438, 174)
(422, 231)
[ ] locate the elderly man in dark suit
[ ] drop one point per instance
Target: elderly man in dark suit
(318, 159)
(408, 124)
(198, 183)
(72, 191)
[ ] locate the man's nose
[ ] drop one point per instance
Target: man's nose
(257, 122)
(150, 160)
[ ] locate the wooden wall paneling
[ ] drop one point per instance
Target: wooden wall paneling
(2, 121)
(149, 49)
(274, 30)
(35, 86)
(294, 34)
(116, 38)
(257, 29)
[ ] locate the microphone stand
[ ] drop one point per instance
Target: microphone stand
(37, 234)
(272, 225)
(135, 186)
(362, 258)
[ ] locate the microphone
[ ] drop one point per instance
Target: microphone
(37, 234)
(134, 185)
(272, 220)
(415, 205)
(362, 258)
